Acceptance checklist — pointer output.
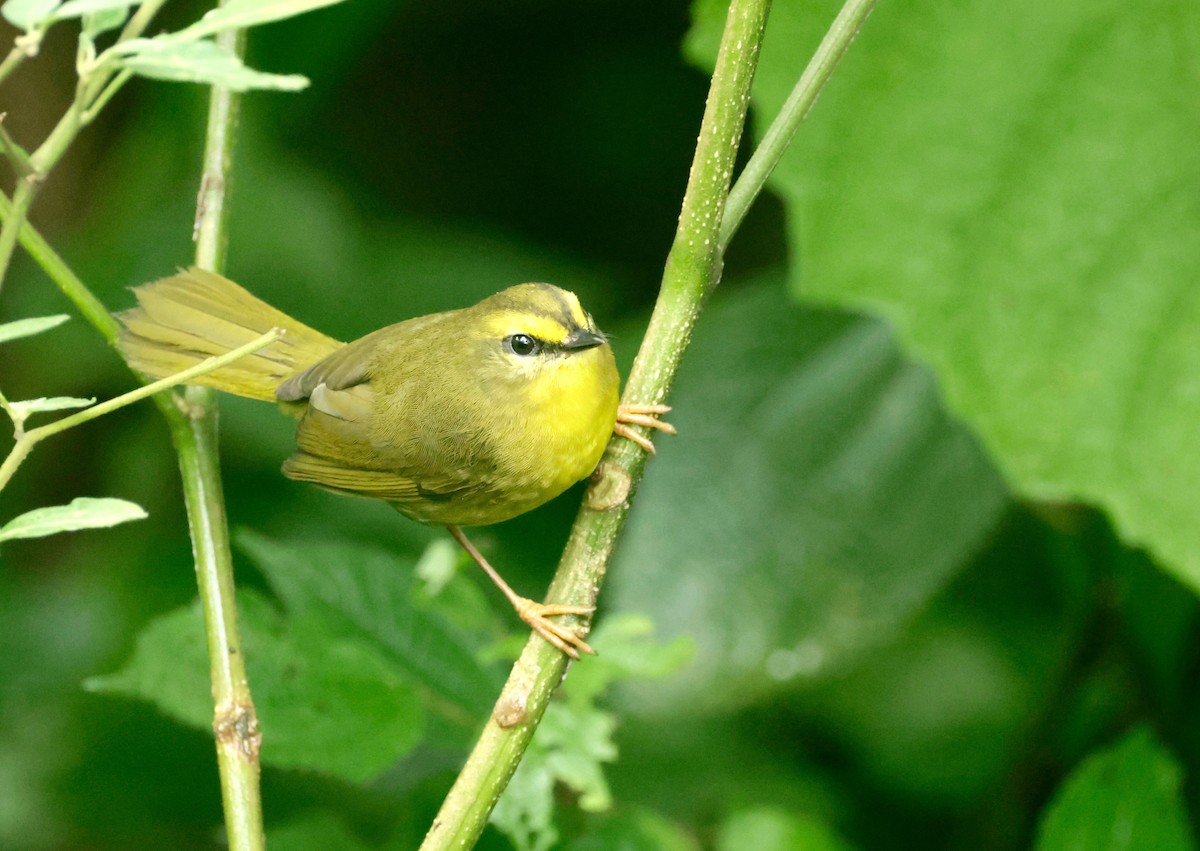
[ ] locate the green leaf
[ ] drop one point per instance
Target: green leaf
(96, 23)
(325, 702)
(819, 495)
(79, 8)
(625, 652)
(569, 747)
(55, 403)
(1125, 797)
(767, 829)
(28, 15)
(1038, 248)
(29, 327)
(199, 62)
(82, 513)
(239, 14)
(371, 594)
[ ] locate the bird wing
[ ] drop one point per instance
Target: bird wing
(335, 451)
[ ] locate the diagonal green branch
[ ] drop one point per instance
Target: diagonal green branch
(692, 269)
(779, 135)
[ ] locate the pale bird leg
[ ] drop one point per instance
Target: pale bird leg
(645, 416)
(532, 612)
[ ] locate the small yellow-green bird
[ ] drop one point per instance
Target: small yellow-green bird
(462, 418)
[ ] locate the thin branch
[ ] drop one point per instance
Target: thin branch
(31, 438)
(692, 269)
(12, 61)
(779, 135)
(235, 722)
(14, 152)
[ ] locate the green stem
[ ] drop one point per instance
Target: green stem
(14, 218)
(235, 722)
(31, 438)
(99, 101)
(779, 135)
(14, 58)
(692, 269)
(137, 24)
(15, 153)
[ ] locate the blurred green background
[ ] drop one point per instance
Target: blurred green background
(929, 524)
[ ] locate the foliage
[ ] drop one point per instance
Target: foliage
(927, 524)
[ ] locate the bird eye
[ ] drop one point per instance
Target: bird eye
(522, 344)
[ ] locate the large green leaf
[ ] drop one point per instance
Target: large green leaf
(325, 702)
(816, 496)
(371, 594)
(1125, 797)
(1017, 187)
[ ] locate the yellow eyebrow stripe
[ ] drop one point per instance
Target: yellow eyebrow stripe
(545, 328)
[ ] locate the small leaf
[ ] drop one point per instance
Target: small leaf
(29, 327)
(625, 651)
(40, 405)
(79, 8)
(569, 747)
(96, 23)
(239, 14)
(1125, 797)
(28, 15)
(82, 513)
(200, 62)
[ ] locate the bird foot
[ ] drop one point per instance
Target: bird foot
(646, 416)
(537, 615)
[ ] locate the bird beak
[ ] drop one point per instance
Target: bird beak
(584, 338)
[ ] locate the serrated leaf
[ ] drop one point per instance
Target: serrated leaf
(239, 14)
(28, 15)
(569, 746)
(825, 494)
(199, 62)
(81, 513)
(1038, 249)
(1125, 797)
(371, 594)
(26, 407)
(29, 327)
(325, 702)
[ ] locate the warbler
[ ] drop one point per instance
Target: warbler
(463, 418)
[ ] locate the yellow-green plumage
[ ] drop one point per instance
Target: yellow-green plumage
(437, 415)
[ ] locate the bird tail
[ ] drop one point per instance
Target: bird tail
(186, 318)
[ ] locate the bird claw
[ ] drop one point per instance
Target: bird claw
(646, 416)
(564, 638)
